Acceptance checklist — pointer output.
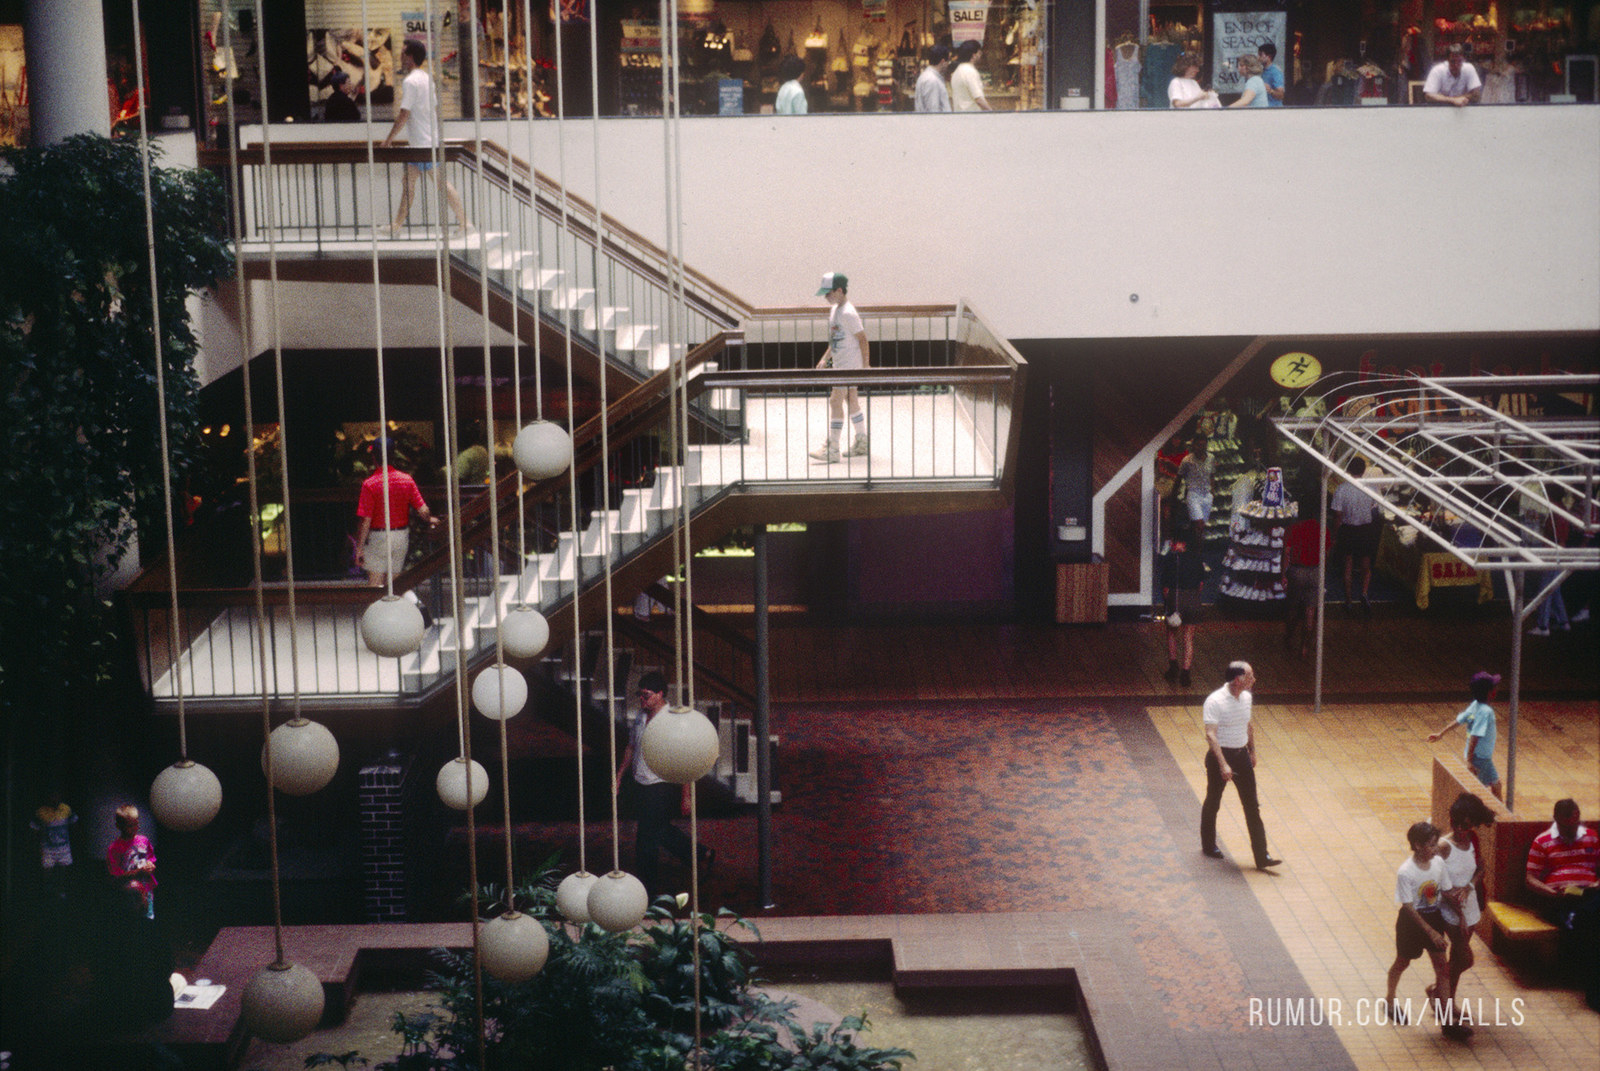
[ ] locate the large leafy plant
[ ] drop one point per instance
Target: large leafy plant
(624, 1002)
(79, 421)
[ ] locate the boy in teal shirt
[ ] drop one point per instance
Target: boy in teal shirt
(1480, 723)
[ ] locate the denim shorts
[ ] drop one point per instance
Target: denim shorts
(1485, 770)
(426, 166)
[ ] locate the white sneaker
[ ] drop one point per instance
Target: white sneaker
(829, 453)
(1536, 631)
(859, 448)
(1581, 616)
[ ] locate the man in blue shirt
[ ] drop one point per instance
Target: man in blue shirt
(1271, 73)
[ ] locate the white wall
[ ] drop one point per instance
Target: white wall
(1303, 221)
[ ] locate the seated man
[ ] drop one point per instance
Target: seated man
(1563, 879)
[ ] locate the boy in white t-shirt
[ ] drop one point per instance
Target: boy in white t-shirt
(418, 116)
(1419, 888)
(847, 351)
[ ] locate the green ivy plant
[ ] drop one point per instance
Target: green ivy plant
(78, 410)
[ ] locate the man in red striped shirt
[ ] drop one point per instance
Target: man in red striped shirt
(382, 541)
(1564, 877)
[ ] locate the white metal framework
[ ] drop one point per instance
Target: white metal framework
(1488, 468)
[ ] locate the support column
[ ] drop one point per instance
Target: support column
(65, 42)
(1517, 582)
(763, 725)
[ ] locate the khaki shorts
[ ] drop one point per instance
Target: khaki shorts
(385, 552)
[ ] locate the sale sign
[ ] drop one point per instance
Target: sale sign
(968, 20)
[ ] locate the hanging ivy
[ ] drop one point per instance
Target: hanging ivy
(79, 430)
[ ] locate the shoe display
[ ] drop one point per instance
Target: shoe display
(859, 448)
(829, 453)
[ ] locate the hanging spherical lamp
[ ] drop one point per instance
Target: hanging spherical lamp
(282, 1003)
(185, 796)
(513, 947)
(680, 745)
(542, 450)
(572, 895)
(451, 783)
(524, 632)
(499, 692)
(617, 902)
(305, 756)
(392, 627)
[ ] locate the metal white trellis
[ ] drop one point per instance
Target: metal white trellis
(1481, 466)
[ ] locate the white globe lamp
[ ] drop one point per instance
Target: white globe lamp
(542, 450)
(617, 902)
(572, 896)
(513, 947)
(392, 627)
(499, 692)
(451, 784)
(185, 796)
(680, 745)
(282, 1003)
(305, 756)
(524, 632)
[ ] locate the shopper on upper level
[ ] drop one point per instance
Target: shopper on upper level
(1271, 73)
(966, 84)
(1453, 81)
(1255, 90)
(1184, 90)
(932, 93)
(791, 95)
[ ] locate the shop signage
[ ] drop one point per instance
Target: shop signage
(1296, 370)
(641, 36)
(445, 58)
(1240, 33)
(696, 12)
(968, 20)
(730, 96)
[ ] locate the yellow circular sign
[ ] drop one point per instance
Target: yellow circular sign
(1296, 370)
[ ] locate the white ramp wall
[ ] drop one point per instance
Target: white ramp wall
(1309, 221)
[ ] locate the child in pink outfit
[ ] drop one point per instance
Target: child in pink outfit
(131, 858)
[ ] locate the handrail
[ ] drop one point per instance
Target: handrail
(511, 175)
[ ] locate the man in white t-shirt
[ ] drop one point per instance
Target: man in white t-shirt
(932, 94)
(1356, 529)
(1454, 81)
(966, 84)
(1231, 756)
(847, 351)
(419, 117)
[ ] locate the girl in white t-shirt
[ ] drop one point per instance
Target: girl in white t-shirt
(1465, 867)
(1419, 889)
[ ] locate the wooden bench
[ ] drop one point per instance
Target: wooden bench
(1509, 926)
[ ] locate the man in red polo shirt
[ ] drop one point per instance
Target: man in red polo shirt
(382, 541)
(1303, 550)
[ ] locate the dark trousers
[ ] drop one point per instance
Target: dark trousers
(656, 806)
(1244, 779)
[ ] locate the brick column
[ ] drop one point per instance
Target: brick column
(383, 847)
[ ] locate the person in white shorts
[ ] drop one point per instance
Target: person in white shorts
(847, 350)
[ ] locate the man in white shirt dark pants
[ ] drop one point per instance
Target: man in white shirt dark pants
(1231, 756)
(1356, 530)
